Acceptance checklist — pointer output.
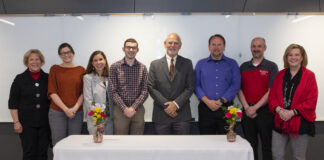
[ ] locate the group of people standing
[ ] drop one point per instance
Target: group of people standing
(278, 107)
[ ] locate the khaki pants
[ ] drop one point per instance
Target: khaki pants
(124, 125)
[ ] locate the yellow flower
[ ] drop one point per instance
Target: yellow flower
(233, 118)
(233, 110)
(97, 110)
(98, 116)
(95, 119)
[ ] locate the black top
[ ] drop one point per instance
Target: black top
(29, 96)
(289, 87)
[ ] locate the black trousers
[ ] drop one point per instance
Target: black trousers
(172, 128)
(211, 122)
(35, 142)
(261, 125)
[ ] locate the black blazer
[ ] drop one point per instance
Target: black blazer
(29, 96)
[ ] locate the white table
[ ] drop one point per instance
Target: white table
(153, 147)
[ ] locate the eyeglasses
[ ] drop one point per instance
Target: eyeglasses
(66, 53)
(130, 47)
(175, 43)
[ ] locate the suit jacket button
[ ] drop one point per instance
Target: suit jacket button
(37, 106)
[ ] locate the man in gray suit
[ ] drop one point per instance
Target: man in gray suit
(171, 84)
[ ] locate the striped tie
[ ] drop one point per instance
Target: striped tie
(171, 70)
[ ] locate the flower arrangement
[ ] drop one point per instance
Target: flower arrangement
(98, 112)
(232, 113)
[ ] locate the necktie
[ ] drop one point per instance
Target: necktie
(107, 99)
(171, 69)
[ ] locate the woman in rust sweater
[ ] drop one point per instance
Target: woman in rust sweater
(65, 91)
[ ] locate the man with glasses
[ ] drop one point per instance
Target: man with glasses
(128, 89)
(171, 84)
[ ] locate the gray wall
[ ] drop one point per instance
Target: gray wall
(107, 33)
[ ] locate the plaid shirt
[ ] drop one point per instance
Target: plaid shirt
(128, 84)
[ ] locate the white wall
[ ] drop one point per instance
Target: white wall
(107, 33)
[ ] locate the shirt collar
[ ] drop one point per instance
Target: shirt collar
(125, 63)
(262, 62)
(169, 58)
(298, 75)
(211, 59)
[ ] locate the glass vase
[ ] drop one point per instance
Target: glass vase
(231, 135)
(98, 134)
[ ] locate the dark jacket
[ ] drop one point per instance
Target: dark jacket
(179, 90)
(29, 96)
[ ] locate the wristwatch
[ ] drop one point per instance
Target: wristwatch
(222, 100)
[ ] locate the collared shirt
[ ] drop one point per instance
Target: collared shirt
(169, 60)
(256, 80)
(217, 79)
(128, 84)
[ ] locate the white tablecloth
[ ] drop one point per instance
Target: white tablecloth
(153, 147)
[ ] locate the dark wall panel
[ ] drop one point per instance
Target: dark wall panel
(10, 147)
(322, 5)
(282, 6)
(188, 6)
(164, 6)
(2, 11)
(68, 6)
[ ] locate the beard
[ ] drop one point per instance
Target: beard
(172, 53)
(217, 54)
(257, 54)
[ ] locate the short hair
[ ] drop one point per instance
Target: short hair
(264, 41)
(216, 35)
(302, 51)
(90, 67)
(175, 34)
(63, 45)
(132, 40)
(33, 51)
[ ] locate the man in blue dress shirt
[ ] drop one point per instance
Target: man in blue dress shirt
(218, 80)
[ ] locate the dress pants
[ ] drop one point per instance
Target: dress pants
(212, 122)
(261, 125)
(35, 142)
(62, 126)
(299, 146)
(124, 125)
(174, 128)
